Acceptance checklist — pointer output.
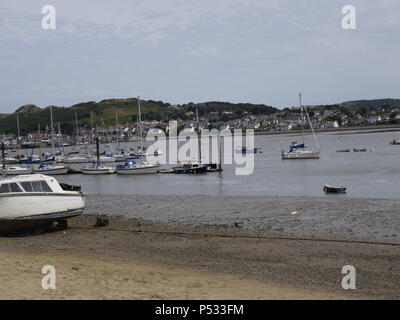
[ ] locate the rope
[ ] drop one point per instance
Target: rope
(242, 236)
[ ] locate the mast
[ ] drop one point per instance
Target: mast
(19, 139)
(219, 151)
(97, 150)
(91, 132)
(301, 119)
(77, 129)
(52, 131)
(198, 134)
(140, 124)
(3, 156)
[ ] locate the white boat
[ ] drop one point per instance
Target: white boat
(15, 170)
(50, 169)
(298, 151)
(130, 167)
(32, 200)
(300, 154)
(97, 169)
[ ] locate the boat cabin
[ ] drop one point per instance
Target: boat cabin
(36, 183)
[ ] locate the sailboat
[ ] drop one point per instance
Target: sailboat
(97, 168)
(48, 167)
(193, 167)
(131, 166)
(299, 151)
(13, 170)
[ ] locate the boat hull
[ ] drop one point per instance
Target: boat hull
(41, 206)
(191, 170)
(138, 170)
(57, 171)
(296, 155)
(335, 189)
(16, 172)
(97, 171)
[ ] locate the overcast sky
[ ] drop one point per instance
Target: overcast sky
(179, 51)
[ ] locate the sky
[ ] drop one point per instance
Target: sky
(180, 51)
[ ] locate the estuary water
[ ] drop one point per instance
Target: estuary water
(366, 174)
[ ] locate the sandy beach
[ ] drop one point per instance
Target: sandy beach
(142, 257)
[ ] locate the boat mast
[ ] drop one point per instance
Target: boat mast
(3, 156)
(301, 119)
(77, 129)
(91, 132)
(198, 134)
(18, 139)
(52, 131)
(219, 151)
(97, 150)
(140, 123)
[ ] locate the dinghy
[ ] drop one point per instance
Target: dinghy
(333, 188)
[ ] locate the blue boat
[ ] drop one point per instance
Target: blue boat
(191, 168)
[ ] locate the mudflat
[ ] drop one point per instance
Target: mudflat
(209, 257)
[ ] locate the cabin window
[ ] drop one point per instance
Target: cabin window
(10, 187)
(27, 186)
(45, 187)
(15, 188)
(37, 187)
(4, 188)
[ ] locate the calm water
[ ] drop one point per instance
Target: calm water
(366, 174)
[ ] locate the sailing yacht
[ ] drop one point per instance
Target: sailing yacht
(97, 168)
(132, 167)
(193, 167)
(49, 167)
(299, 151)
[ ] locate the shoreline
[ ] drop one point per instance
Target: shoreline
(208, 256)
(102, 263)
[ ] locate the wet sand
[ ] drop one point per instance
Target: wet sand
(331, 217)
(190, 254)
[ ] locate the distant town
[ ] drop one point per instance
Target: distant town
(263, 119)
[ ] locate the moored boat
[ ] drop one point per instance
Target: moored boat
(191, 168)
(50, 169)
(298, 151)
(15, 170)
(333, 188)
(131, 167)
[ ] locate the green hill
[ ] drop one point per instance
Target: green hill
(31, 116)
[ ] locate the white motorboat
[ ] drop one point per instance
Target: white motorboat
(35, 200)
(50, 169)
(15, 170)
(130, 167)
